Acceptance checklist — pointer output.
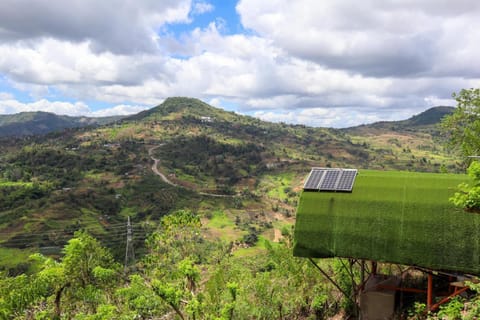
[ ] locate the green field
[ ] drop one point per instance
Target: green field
(397, 217)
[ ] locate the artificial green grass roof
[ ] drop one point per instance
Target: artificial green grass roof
(395, 217)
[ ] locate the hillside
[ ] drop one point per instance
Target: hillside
(38, 123)
(219, 164)
(408, 141)
(425, 121)
(211, 196)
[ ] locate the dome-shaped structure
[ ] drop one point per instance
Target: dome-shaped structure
(395, 217)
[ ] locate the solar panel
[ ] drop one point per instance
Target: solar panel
(330, 179)
(313, 180)
(346, 180)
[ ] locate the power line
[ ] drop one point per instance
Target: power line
(89, 228)
(108, 243)
(115, 236)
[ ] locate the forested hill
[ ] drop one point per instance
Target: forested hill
(38, 123)
(427, 120)
(95, 177)
(211, 190)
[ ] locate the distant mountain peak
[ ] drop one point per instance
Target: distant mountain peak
(40, 122)
(425, 120)
(181, 106)
(430, 116)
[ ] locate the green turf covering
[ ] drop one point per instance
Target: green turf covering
(396, 217)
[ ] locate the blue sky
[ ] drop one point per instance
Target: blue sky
(334, 63)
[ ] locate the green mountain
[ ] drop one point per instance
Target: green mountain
(214, 192)
(424, 121)
(431, 116)
(37, 123)
(184, 154)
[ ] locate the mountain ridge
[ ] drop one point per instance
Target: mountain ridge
(40, 122)
(95, 178)
(423, 120)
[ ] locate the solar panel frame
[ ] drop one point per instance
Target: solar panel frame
(346, 180)
(313, 180)
(330, 179)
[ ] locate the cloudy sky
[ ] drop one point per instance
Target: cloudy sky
(331, 63)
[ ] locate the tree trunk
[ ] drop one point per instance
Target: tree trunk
(58, 298)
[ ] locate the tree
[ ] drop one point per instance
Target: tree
(91, 272)
(83, 280)
(463, 125)
(175, 252)
(463, 131)
(468, 196)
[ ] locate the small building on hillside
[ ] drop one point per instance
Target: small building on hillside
(402, 218)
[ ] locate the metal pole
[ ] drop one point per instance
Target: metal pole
(429, 291)
(129, 247)
(331, 280)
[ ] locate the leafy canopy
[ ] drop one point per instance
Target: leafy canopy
(468, 196)
(463, 130)
(463, 125)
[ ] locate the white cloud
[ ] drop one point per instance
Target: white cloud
(248, 70)
(433, 101)
(216, 102)
(8, 105)
(119, 26)
(119, 110)
(5, 96)
(329, 117)
(54, 62)
(377, 60)
(202, 7)
(372, 37)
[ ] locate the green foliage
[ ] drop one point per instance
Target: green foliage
(202, 157)
(138, 299)
(104, 312)
(169, 293)
(94, 178)
(468, 196)
(452, 309)
(86, 261)
(474, 172)
(463, 126)
(77, 284)
(344, 280)
(418, 311)
(37, 123)
(251, 238)
(319, 305)
(87, 274)
(14, 261)
(189, 270)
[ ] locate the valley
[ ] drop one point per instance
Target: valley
(240, 176)
(179, 155)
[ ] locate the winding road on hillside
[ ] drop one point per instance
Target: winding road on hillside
(155, 167)
(277, 233)
(164, 178)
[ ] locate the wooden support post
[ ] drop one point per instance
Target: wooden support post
(347, 295)
(429, 291)
(446, 299)
(362, 275)
(374, 268)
